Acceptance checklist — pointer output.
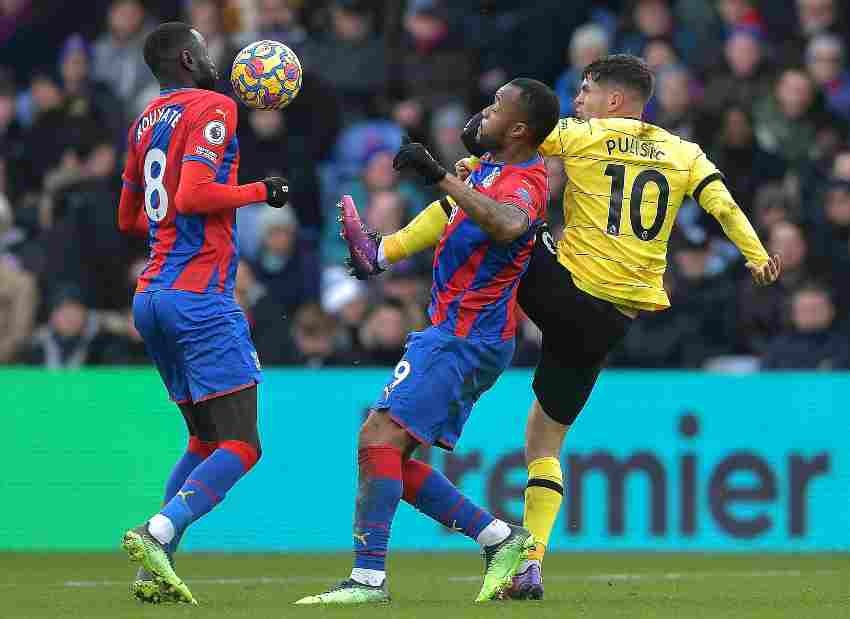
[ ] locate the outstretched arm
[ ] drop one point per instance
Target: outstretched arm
(715, 198)
(423, 232)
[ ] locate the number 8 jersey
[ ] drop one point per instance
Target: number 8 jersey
(626, 180)
(184, 144)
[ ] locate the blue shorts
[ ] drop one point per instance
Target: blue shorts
(201, 343)
(438, 380)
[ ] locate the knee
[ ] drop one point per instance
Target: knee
(544, 436)
(379, 429)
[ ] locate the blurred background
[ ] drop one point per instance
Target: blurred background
(763, 86)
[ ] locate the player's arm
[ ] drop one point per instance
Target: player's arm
(422, 232)
(710, 192)
(131, 213)
(202, 190)
(502, 221)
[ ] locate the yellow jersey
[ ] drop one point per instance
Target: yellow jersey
(626, 180)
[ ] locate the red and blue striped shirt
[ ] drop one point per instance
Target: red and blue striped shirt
(183, 156)
(476, 278)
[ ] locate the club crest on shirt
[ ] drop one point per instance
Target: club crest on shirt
(488, 180)
(214, 132)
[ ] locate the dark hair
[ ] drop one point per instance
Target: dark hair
(541, 106)
(623, 70)
(165, 44)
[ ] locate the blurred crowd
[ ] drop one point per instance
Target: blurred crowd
(762, 85)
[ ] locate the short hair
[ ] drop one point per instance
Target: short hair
(165, 43)
(541, 106)
(623, 70)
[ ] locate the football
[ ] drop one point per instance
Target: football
(266, 75)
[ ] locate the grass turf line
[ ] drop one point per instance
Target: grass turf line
(441, 586)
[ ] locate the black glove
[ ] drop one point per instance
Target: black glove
(415, 156)
(469, 136)
(277, 189)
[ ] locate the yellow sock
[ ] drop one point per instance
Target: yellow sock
(424, 231)
(543, 496)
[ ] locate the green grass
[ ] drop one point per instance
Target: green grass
(441, 586)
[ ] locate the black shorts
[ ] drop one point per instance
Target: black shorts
(579, 331)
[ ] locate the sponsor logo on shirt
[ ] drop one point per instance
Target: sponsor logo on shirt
(206, 153)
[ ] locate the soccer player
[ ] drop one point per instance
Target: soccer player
(180, 191)
(626, 182)
(485, 241)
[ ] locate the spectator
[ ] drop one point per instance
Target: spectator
(762, 310)
(435, 69)
(744, 77)
(352, 58)
(290, 273)
(384, 333)
(12, 141)
(650, 19)
(277, 20)
(83, 244)
(826, 60)
(787, 122)
(125, 346)
(588, 43)
(118, 60)
(86, 98)
(268, 150)
(267, 317)
(72, 337)
(207, 17)
(675, 109)
(735, 151)
(313, 335)
(812, 342)
(18, 294)
(447, 122)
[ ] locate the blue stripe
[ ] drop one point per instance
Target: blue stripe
(200, 159)
(134, 187)
(459, 247)
(227, 162)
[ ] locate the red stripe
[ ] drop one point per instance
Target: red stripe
(414, 474)
(459, 283)
(475, 518)
(475, 300)
(195, 276)
(205, 489)
(219, 394)
(201, 448)
(164, 241)
(454, 509)
(381, 461)
(246, 453)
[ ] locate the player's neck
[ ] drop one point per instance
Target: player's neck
(513, 154)
(174, 83)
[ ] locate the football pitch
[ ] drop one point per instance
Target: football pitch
(441, 586)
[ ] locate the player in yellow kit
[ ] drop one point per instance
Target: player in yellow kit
(626, 182)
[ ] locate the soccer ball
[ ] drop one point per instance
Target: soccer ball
(266, 75)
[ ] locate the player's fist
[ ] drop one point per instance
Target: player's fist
(767, 273)
(465, 167)
(414, 156)
(277, 190)
(469, 135)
